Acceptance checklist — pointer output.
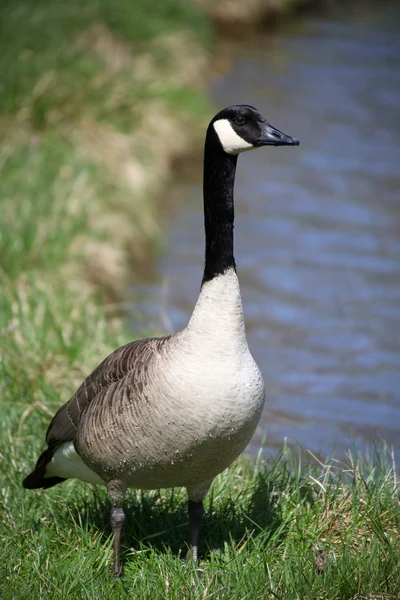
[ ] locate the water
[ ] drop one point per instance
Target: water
(317, 237)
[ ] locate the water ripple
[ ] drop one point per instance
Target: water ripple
(317, 233)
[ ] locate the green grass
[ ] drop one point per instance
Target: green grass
(71, 119)
(38, 225)
(267, 527)
(90, 94)
(281, 531)
(40, 42)
(64, 61)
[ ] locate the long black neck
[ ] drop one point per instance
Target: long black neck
(218, 183)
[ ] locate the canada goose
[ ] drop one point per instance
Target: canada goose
(176, 410)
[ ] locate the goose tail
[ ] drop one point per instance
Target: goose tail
(37, 479)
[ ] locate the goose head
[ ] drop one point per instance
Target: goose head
(241, 128)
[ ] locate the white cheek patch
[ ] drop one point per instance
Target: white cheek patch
(231, 142)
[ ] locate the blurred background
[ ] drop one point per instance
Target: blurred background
(317, 235)
(101, 101)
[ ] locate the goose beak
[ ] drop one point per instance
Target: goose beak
(270, 136)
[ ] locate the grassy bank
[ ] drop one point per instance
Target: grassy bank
(96, 100)
(238, 19)
(288, 532)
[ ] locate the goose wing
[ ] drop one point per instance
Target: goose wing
(129, 358)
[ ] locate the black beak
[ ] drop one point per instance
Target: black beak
(270, 136)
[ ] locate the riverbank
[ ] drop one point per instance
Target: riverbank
(95, 106)
(234, 18)
(86, 151)
(96, 103)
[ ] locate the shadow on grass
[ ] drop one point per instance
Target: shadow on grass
(158, 519)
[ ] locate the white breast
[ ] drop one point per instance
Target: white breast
(215, 363)
(217, 323)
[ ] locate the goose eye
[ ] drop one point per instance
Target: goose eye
(239, 119)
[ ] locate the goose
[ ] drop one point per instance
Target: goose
(173, 411)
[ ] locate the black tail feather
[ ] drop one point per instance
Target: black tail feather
(37, 479)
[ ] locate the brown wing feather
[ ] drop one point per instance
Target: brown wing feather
(115, 367)
(127, 360)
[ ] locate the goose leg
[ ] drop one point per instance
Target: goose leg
(195, 512)
(117, 523)
(116, 491)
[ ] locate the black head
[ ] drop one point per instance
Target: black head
(240, 128)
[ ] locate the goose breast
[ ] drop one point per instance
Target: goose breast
(179, 424)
